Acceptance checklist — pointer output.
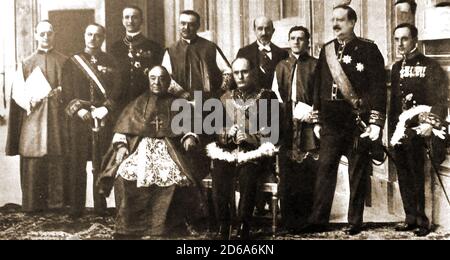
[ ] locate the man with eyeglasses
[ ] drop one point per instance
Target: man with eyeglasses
(35, 124)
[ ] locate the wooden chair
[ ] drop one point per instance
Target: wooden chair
(272, 188)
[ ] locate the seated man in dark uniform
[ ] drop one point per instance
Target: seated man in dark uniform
(241, 150)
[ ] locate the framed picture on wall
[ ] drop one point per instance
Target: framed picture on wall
(437, 23)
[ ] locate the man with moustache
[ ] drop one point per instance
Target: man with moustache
(35, 131)
(416, 81)
(294, 85)
(350, 101)
(148, 165)
(263, 54)
(136, 55)
(89, 79)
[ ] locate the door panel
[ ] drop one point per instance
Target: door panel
(69, 27)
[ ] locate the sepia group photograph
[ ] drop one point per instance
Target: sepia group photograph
(239, 122)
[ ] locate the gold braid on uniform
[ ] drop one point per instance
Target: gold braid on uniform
(227, 80)
(432, 119)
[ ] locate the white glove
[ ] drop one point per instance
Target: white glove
(373, 132)
(317, 130)
(302, 111)
(439, 133)
(100, 113)
(424, 130)
(84, 115)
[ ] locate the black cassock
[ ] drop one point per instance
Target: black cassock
(38, 139)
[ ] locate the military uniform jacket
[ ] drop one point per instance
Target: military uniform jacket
(136, 57)
(418, 81)
(363, 64)
(77, 86)
(235, 110)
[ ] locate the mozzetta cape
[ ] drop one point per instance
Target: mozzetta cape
(136, 123)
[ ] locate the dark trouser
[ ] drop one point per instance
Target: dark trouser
(336, 143)
(42, 183)
(410, 162)
(297, 188)
(78, 182)
(224, 179)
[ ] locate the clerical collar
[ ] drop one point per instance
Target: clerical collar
(133, 35)
(42, 50)
(189, 41)
(261, 46)
(300, 56)
(346, 40)
(91, 51)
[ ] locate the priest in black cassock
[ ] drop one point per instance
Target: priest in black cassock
(34, 127)
(89, 79)
(136, 55)
(294, 85)
(147, 163)
(195, 63)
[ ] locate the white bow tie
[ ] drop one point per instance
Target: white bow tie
(265, 48)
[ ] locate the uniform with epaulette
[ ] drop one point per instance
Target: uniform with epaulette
(352, 89)
(417, 82)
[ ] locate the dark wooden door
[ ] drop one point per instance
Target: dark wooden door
(69, 27)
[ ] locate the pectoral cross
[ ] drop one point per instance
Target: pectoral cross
(158, 123)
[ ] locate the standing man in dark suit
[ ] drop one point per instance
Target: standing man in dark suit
(263, 54)
(136, 55)
(350, 85)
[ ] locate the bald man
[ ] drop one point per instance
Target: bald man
(263, 54)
